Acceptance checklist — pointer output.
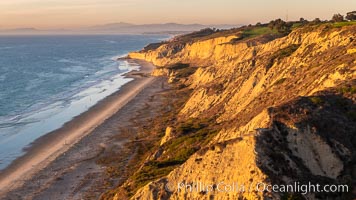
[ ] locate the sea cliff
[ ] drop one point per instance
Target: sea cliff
(271, 108)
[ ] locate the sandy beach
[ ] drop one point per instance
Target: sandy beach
(50, 148)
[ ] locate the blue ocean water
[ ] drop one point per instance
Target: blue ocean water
(45, 81)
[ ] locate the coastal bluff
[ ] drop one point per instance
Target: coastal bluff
(271, 108)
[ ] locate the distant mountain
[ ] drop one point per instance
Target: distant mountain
(123, 28)
(32, 31)
(112, 26)
(22, 30)
(151, 28)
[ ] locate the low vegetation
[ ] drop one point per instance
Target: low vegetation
(280, 26)
(182, 70)
(342, 24)
(153, 46)
(257, 31)
(316, 100)
(348, 89)
(177, 66)
(282, 53)
(191, 136)
(276, 27)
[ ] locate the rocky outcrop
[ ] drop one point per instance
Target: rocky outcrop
(168, 135)
(286, 107)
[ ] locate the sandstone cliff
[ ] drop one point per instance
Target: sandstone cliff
(284, 105)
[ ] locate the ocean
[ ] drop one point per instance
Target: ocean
(45, 81)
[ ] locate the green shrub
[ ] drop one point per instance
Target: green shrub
(178, 66)
(282, 53)
(342, 24)
(285, 52)
(192, 135)
(350, 89)
(153, 46)
(185, 72)
(190, 125)
(257, 31)
(150, 172)
(316, 100)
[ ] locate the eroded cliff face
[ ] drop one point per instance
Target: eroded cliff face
(286, 107)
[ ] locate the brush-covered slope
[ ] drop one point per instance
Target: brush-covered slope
(285, 105)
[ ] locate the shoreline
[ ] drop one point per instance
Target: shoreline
(47, 148)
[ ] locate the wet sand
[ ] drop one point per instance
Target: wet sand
(50, 148)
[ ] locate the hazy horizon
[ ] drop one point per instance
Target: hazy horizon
(56, 14)
(89, 27)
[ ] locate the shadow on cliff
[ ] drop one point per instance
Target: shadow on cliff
(315, 123)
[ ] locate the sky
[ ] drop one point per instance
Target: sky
(59, 14)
